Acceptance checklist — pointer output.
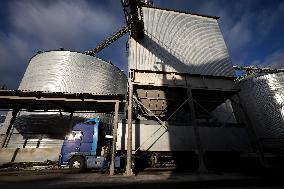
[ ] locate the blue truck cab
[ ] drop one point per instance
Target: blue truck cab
(82, 147)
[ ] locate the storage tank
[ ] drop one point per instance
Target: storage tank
(65, 71)
(262, 98)
(40, 135)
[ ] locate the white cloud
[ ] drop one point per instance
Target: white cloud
(61, 23)
(41, 25)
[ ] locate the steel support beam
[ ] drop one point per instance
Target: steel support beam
(54, 99)
(8, 131)
(108, 41)
(172, 79)
(158, 120)
(129, 123)
(114, 139)
(201, 167)
(134, 18)
(257, 147)
(70, 122)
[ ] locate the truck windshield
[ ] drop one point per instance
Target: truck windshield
(74, 135)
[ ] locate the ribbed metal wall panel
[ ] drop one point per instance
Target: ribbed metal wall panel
(33, 141)
(179, 42)
(45, 130)
(181, 138)
(263, 100)
(65, 71)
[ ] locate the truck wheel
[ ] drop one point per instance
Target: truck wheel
(77, 164)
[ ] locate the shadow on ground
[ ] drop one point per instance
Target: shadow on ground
(147, 179)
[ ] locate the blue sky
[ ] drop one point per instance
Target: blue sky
(253, 30)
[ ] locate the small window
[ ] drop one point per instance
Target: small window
(91, 122)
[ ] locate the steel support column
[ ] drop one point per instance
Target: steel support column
(129, 123)
(70, 121)
(114, 139)
(251, 132)
(8, 131)
(201, 167)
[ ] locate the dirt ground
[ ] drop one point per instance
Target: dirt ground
(147, 179)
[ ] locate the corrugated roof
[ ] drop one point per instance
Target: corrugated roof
(69, 102)
(185, 12)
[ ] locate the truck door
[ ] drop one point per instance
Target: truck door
(72, 144)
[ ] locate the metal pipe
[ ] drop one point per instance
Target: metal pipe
(114, 134)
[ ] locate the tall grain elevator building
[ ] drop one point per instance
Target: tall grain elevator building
(181, 79)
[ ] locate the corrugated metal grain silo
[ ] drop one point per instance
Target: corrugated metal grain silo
(182, 53)
(73, 72)
(262, 98)
(60, 71)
